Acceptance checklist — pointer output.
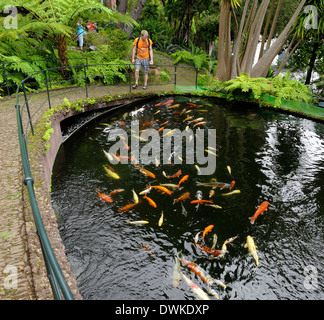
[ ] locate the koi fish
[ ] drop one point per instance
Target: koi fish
(127, 207)
(158, 104)
(201, 273)
(108, 155)
(232, 192)
(169, 132)
(229, 170)
(263, 207)
(177, 174)
(137, 222)
(207, 229)
(200, 123)
(198, 291)
(162, 189)
(174, 106)
(146, 190)
(196, 238)
(252, 248)
(164, 123)
(208, 250)
(183, 179)
(104, 197)
(183, 197)
(188, 118)
(167, 102)
(201, 201)
(215, 184)
(150, 201)
(211, 193)
(213, 153)
(135, 197)
(214, 206)
(169, 185)
(184, 211)
(161, 220)
(116, 191)
(160, 129)
(176, 274)
(147, 249)
(146, 172)
(111, 174)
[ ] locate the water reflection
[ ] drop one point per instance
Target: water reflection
(273, 157)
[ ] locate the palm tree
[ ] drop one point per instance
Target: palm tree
(55, 20)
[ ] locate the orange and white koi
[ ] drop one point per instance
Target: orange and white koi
(208, 250)
(200, 123)
(150, 201)
(183, 197)
(207, 229)
(198, 291)
(201, 273)
(104, 197)
(263, 207)
(183, 179)
(146, 172)
(147, 190)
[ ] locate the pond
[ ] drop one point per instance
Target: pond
(271, 157)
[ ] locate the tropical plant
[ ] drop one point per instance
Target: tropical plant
(197, 60)
(54, 20)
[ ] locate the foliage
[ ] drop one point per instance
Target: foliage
(281, 87)
(197, 60)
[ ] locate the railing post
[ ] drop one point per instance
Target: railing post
(196, 83)
(49, 76)
(130, 78)
(28, 111)
(48, 95)
(175, 77)
(85, 79)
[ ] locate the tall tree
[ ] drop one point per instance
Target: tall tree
(237, 58)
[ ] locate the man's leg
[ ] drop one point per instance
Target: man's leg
(145, 79)
(136, 76)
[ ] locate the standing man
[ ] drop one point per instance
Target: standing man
(143, 50)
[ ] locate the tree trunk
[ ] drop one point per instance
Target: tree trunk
(312, 63)
(122, 8)
(223, 71)
(62, 53)
(134, 14)
(261, 68)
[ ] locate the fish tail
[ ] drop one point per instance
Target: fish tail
(252, 219)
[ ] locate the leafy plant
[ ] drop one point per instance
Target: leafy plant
(197, 60)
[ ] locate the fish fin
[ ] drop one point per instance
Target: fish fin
(252, 220)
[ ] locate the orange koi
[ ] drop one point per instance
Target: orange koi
(125, 145)
(185, 196)
(207, 229)
(263, 207)
(231, 185)
(158, 104)
(160, 129)
(200, 123)
(150, 201)
(162, 189)
(104, 197)
(177, 174)
(162, 124)
(116, 157)
(202, 201)
(167, 102)
(183, 180)
(127, 207)
(147, 249)
(116, 191)
(146, 172)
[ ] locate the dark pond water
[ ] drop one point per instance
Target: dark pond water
(272, 157)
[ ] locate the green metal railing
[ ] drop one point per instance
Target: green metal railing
(58, 283)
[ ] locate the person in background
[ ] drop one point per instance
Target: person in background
(80, 32)
(143, 51)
